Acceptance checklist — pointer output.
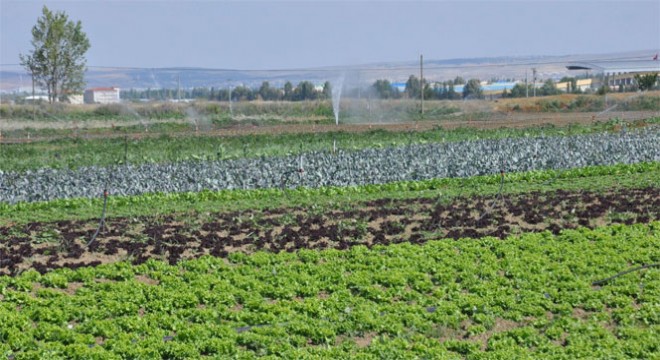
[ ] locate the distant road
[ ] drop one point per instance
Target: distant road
(494, 121)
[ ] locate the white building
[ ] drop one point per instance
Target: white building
(75, 99)
(36, 98)
(102, 95)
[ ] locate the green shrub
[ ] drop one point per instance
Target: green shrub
(587, 103)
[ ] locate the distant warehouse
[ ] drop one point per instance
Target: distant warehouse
(102, 95)
(618, 73)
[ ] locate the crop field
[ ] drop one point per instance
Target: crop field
(415, 241)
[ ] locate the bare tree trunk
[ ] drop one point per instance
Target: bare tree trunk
(34, 101)
(54, 85)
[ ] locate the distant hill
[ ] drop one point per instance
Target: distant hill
(16, 79)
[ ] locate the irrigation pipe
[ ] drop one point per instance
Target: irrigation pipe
(604, 281)
(102, 222)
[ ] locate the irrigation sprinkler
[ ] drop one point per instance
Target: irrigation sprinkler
(499, 195)
(296, 176)
(102, 224)
(125, 149)
(293, 175)
(106, 194)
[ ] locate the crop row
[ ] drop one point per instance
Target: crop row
(44, 246)
(523, 297)
(368, 166)
(593, 178)
(117, 149)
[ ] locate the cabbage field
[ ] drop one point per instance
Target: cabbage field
(536, 243)
(344, 168)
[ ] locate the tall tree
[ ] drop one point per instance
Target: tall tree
(459, 81)
(549, 88)
(413, 87)
(57, 60)
(472, 89)
(383, 89)
(327, 90)
(646, 81)
(304, 91)
(451, 92)
(265, 90)
(288, 91)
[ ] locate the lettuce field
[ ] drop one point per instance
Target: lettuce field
(535, 243)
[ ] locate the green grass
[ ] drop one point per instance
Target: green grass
(36, 135)
(77, 152)
(214, 110)
(589, 178)
(528, 296)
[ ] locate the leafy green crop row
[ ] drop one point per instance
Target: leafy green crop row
(522, 297)
(74, 153)
(593, 177)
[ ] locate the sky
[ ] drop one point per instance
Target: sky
(263, 35)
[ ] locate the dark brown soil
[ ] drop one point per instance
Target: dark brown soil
(46, 246)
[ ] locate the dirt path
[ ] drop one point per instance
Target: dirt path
(9, 124)
(492, 121)
(46, 246)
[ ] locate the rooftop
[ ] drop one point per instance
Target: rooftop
(617, 66)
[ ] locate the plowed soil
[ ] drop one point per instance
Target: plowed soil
(46, 246)
(494, 120)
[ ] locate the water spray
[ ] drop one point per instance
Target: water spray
(336, 97)
(136, 115)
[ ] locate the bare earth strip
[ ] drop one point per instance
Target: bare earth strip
(45, 246)
(491, 121)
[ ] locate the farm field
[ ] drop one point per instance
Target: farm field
(436, 243)
(525, 296)
(170, 147)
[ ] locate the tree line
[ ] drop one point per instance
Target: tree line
(303, 91)
(382, 89)
(445, 90)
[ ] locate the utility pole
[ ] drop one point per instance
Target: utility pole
(178, 87)
(526, 87)
(534, 86)
(421, 81)
(231, 111)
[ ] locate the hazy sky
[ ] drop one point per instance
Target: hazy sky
(297, 34)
